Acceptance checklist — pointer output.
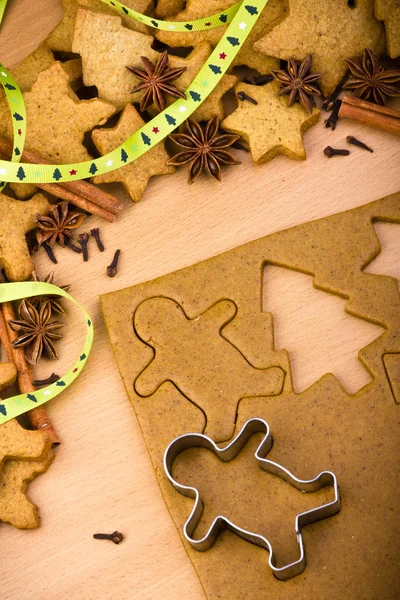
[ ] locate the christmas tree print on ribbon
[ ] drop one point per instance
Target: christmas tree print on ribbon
(240, 17)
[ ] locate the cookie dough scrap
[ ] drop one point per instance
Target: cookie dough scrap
(135, 175)
(16, 219)
(388, 11)
(270, 127)
(324, 427)
(60, 38)
(247, 54)
(15, 507)
(330, 30)
(57, 118)
(203, 365)
(107, 48)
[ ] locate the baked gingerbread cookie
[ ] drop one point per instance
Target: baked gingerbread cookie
(330, 30)
(107, 49)
(16, 219)
(60, 38)
(388, 11)
(270, 127)
(247, 55)
(57, 118)
(15, 507)
(135, 175)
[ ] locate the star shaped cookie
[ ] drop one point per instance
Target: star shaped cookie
(57, 118)
(331, 30)
(247, 55)
(60, 38)
(270, 127)
(16, 219)
(134, 176)
(389, 12)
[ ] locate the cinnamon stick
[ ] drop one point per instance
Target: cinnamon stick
(81, 188)
(37, 416)
(370, 114)
(61, 192)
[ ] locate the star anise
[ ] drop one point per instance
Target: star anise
(155, 80)
(369, 80)
(35, 332)
(204, 148)
(297, 81)
(53, 301)
(56, 226)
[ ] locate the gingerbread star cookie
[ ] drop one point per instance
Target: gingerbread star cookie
(134, 176)
(247, 55)
(212, 105)
(61, 37)
(26, 73)
(388, 11)
(57, 118)
(330, 30)
(270, 127)
(16, 219)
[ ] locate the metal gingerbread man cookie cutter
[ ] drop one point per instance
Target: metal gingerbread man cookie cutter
(197, 440)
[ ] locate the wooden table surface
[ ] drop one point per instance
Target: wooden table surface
(102, 479)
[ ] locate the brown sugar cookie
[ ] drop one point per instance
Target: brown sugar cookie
(247, 54)
(388, 11)
(57, 118)
(270, 127)
(321, 428)
(134, 176)
(60, 38)
(16, 219)
(15, 507)
(330, 30)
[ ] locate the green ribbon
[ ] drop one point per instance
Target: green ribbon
(241, 18)
(17, 405)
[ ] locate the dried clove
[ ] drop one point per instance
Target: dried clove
(112, 269)
(73, 247)
(96, 234)
(329, 151)
(258, 80)
(50, 379)
(115, 537)
(244, 96)
(49, 251)
(329, 103)
(334, 116)
(355, 142)
(83, 239)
